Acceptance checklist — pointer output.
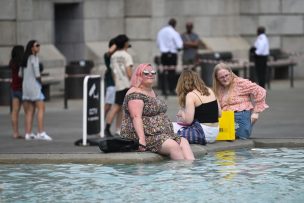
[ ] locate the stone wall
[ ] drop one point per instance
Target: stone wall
(284, 23)
(22, 20)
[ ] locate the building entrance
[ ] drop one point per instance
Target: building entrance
(69, 30)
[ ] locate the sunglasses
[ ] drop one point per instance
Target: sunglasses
(223, 77)
(37, 45)
(146, 72)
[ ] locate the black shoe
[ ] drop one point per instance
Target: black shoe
(107, 133)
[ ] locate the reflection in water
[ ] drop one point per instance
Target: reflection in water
(247, 174)
(226, 159)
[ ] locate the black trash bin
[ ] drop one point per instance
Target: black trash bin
(75, 73)
(5, 85)
(207, 67)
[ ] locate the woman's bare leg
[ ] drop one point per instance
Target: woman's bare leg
(118, 120)
(186, 149)
(172, 148)
(29, 110)
(40, 115)
(16, 104)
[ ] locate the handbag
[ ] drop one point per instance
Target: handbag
(227, 126)
(118, 144)
(194, 133)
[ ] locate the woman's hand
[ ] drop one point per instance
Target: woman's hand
(142, 145)
(254, 117)
(179, 115)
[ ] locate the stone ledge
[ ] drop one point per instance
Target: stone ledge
(290, 143)
(229, 145)
(111, 158)
(138, 157)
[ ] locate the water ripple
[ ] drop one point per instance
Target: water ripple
(257, 175)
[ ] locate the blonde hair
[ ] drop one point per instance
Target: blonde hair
(216, 82)
(187, 82)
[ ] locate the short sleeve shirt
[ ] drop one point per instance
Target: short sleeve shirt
(31, 89)
(262, 45)
(168, 40)
(189, 53)
(120, 60)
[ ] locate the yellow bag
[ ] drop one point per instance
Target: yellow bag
(227, 128)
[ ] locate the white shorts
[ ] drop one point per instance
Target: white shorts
(211, 132)
(110, 95)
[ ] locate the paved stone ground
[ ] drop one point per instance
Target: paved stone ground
(284, 119)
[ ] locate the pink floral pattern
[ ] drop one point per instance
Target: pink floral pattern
(157, 126)
(244, 95)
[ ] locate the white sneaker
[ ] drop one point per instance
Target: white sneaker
(43, 136)
(30, 136)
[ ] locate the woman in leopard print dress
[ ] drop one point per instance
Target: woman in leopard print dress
(145, 118)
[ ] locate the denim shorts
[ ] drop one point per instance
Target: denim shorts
(17, 94)
(110, 95)
(243, 126)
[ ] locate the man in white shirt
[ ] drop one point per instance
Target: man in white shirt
(261, 55)
(169, 43)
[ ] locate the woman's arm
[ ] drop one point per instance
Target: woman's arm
(187, 114)
(219, 108)
(35, 65)
(259, 98)
(246, 88)
(136, 108)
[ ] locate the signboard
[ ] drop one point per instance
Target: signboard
(92, 121)
(93, 106)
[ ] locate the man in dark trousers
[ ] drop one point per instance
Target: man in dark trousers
(169, 43)
(261, 50)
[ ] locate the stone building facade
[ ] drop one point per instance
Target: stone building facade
(80, 29)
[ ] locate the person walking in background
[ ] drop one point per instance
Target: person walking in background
(169, 43)
(121, 64)
(191, 43)
(109, 80)
(145, 118)
(261, 50)
(16, 88)
(32, 95)
(245, 98)
(197, 102)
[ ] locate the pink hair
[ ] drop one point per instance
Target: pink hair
(137, 75)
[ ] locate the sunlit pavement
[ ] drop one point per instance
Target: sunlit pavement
(283, 120)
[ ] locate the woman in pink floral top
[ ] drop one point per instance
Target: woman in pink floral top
(245, 98)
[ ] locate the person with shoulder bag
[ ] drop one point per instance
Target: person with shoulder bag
(245, 98)
(200, 110)
(32, 92)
